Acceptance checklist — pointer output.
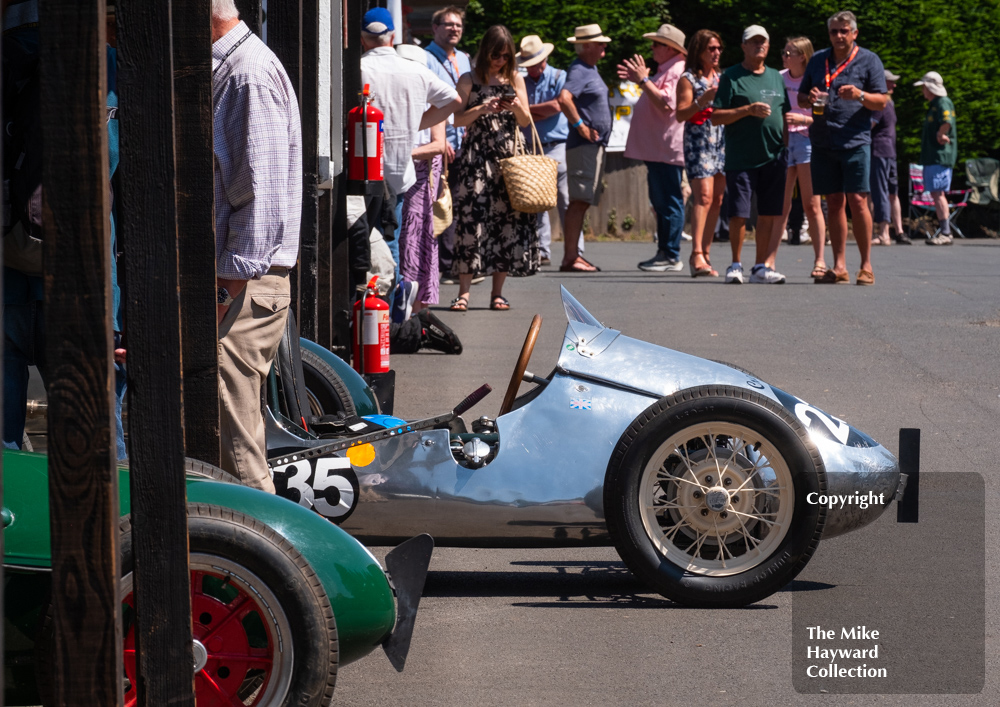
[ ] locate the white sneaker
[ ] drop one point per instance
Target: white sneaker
(685, 236)
(805, 238)
(941, 239)
(674, 266)
(763, 275)
(734, 274)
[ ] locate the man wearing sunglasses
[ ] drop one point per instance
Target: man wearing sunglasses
(843, 85)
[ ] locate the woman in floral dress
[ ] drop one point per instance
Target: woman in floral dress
(704, 146)
(490, 236)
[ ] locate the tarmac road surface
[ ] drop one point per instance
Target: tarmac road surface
(555, 627)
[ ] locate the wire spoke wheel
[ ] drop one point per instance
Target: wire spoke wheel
(716, 498)
(705, 496)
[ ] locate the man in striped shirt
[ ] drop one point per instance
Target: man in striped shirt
(258, 205)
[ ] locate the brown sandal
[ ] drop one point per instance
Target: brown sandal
(864, 277)
(705, 271)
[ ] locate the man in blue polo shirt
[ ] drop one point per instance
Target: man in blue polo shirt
(843, 85)
(543, 84)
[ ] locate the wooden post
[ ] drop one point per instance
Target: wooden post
(292, 40)
(149, 224)
(192, 27)
(86, 663)
(251, 12)
(352, 11)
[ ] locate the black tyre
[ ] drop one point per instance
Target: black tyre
(327, 393)
(200, 468)
(282, 647)
(705, 497)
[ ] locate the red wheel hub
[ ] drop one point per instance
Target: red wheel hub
(220, 609)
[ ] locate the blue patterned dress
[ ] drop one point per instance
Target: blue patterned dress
(704, 145)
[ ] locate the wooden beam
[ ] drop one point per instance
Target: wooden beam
(86, 661)
(149, 224)
(252, 13)
(296, 44)
(192, 26)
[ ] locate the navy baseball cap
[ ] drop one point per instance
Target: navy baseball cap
(377, 21)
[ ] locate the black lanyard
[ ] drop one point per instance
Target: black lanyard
(230, 52)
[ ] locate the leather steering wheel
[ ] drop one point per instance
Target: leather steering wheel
(522, 365)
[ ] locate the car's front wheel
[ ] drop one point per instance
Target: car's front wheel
(705, 497)
(264, 630)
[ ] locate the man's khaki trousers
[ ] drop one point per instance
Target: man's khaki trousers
(249, 335)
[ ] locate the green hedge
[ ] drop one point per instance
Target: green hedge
(958, 40)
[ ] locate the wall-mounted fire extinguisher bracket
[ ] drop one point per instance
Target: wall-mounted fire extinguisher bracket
(365, 140)
(371, 331)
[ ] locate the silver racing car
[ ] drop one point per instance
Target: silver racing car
(715, 487)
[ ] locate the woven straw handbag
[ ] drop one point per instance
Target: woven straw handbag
(442, 205)
(530, 178)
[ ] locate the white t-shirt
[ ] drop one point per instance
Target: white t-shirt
(401, 89)
(792, 89)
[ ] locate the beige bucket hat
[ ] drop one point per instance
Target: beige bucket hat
(934, 83)
(533, 50)
(588, 33)
(669, 35)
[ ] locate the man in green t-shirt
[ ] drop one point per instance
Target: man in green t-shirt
(938, 150)
(752, 103)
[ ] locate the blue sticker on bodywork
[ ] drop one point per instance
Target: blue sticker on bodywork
(823, 423)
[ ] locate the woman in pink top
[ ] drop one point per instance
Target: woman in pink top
(795, 56)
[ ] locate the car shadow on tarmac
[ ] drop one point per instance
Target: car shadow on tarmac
(572, 584)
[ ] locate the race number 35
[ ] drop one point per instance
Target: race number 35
(327, 484)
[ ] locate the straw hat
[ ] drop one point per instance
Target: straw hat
(669, 35)
(587, 33)
(533, 50)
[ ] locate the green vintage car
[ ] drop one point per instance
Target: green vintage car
(280, 596)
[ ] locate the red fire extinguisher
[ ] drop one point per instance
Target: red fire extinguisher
(364, 141)
(371, 332)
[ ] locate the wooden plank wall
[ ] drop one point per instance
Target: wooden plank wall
(156, 436)
(192, 35)
(626, 193)
(86, 661)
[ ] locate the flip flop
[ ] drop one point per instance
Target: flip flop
(499, 303)
(818, 271)
(460, 304)
(581, 264)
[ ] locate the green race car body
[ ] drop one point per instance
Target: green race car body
(353, 581)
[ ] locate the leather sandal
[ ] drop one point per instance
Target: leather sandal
(818, 271)
(704, 271)
(864, 277)
(499, 303)
(460, 304)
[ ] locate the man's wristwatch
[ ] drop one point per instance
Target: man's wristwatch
(225, 299)
(861, 98)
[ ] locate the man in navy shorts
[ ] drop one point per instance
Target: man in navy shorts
(752, 102)
(884, 173)
(843, 85)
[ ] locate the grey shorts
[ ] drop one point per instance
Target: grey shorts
(585, 173)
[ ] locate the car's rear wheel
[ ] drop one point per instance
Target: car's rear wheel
(264, 630)
(705, 497)
(326, 391)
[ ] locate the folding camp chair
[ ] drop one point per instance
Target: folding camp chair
(921, 203)
(983, 175)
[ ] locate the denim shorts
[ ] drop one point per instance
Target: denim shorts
(799, 149)
(937, 177)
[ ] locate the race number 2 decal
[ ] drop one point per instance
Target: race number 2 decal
(328, 485)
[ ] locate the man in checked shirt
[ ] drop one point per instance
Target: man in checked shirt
(258, 203)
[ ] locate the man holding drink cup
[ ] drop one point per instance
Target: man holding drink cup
(843, 85)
